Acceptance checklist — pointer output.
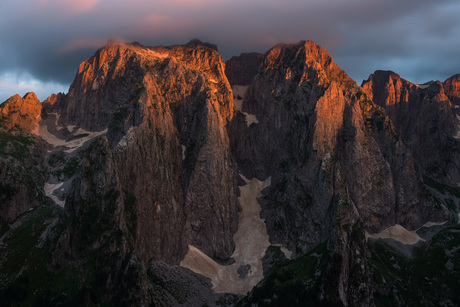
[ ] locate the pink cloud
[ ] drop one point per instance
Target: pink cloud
(70, 6)
(81, 44)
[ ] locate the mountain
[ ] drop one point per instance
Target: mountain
(166, 176)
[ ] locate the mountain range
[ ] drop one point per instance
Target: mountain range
(168, 177)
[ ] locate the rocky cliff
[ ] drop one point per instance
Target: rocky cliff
(143, 161)
(20, 115)
(165, 111)
(425, 117)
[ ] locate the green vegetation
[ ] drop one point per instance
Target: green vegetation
(56, 159)
(69, 169)
(25, 279)
(431, 275)
(19, 146)
(441, 187)
(292, 283)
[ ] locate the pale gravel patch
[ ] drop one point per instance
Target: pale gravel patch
(183, 151)
(423, 86)
(49, 190)
(72, 144)
(401, 234)
(397, 233)
(431, 224)
(251, 242)
(287, 253)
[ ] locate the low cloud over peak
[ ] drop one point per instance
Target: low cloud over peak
(47, 39)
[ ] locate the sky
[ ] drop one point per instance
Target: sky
(42, 42)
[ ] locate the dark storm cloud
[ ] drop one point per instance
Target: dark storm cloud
(420, 40)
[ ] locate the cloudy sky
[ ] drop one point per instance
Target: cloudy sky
(42, 42)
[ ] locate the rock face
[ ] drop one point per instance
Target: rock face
(452, 90)
(20, 115)
(332, 155)
(318, 131)
(164, 143)
(21, 156)
(165, 109)
(425, 117)
(21, 175)
(241, 70)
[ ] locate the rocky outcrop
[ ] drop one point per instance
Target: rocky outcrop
(54, 104)
(21, 157)
(241, 70)
(425, 118)
(317, 128)
(333, 156)
(452, 90)
(20, 115)
(21, 175)
(165, 109)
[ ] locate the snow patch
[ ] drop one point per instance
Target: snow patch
(251, 242)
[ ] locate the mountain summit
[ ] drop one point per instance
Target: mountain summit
(166, 176)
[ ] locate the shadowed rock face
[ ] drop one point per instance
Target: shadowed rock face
(241, 70)
(165, 109)
(319, 135)
(425, 118)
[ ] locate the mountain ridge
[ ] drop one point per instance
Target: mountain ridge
(146, 149)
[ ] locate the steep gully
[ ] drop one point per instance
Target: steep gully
(251, 240)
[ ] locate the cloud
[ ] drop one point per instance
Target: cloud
(71, 6)
(80, 44)
(419, 39)
(14, 82)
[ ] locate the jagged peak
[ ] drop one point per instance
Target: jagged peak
(384, 76)
(30, 96)
(196, 42)
(315, 56)
(455, 78)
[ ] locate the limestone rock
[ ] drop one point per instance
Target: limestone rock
(21, 175)
(20, 115)
(452, 90)
(165, 109)
(425, 118)
(241, 70)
